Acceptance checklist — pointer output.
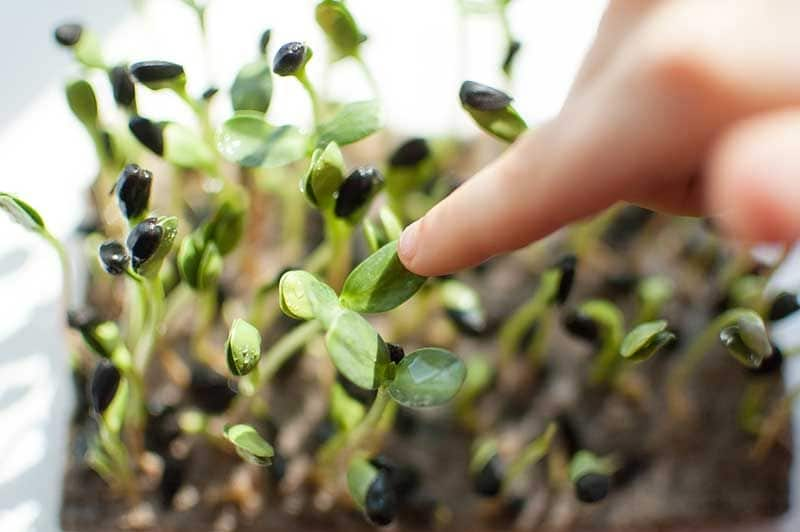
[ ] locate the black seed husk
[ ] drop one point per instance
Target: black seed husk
(133, 190)
(149, 133)
(568, 434)
(68, 34)
(771, 365)
(483, 97)
(277, 469)
(592, 487)
(581, 326)
(103, 387)
(356, 190)
(488, 481)
(122, 85)
(410, 153)
(567, 265)
(396, 352)
(209, 391)
(143, 241)
(114, 257)
(511, 54)
(289, 58)
(783, 305)
(155, 71)
(380, 503)
(404, 479)
(209, 93)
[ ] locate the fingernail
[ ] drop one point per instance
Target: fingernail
(407, 247)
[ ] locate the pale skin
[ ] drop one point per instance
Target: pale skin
(683, 106)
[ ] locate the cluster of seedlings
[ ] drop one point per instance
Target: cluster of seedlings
(178, 343)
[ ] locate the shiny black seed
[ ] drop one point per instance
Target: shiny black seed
(68, 34)
(149, 133)
(581, 326)
(483, 97)
(114, 257)
(210, 391)
(143, 241)
(155, 71)
(133, 190)
(263, 42)
(122, 85)
(488, 481)
(171, 480)
(396, 352)
(410, 153)
(161, 428)
(511, 54)
(771, 365)
(567, 266)
(277, 469)
(105, 382)
(783, 305)
(290, 57)
(380, 503)
(592, 487)
(356, 190)
(209, 93)
(469, 322)
(626, 225)
(404, 479)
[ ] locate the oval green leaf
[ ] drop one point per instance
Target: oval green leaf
(353, 122)
(252, 88)
(242, 138)
(304, 297)
(249, 444)
(427, 377)
(505, 124)
(357, 351)
(21, 213)
(82, 102)
(324, 176)
(185, 148)
(380, 283)
(645, 339)
(243, 348)
(339, 26)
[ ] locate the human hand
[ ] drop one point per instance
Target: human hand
(684, 106)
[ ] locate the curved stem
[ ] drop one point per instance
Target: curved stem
(530, 455)
(283, 350)
(353, 440)
(312, 95)
(66, 267)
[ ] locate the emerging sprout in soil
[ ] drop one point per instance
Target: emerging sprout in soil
(591, 477)
(249, 444)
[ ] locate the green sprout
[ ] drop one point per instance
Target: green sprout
(492, 110)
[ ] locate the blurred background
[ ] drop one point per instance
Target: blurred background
(419, 50)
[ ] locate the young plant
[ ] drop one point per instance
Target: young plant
(491, 109)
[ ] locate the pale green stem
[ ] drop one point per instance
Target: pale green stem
(312, 95)
(66, 267)
(283, 350)
(354, 439)
(530, 455)
(515, 327)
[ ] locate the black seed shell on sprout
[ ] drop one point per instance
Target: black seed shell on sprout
(568, 434)
(488, 481)
(209, 391)
(103, 387)
(380, 503)
(410, 153)
(783, 305)
(143, 241)
(581, 326)
(68, 34)
(404, 479)
(511, 53)
(356, 190)
(209, 93)
(161, 428)
(133, 190)
(469, 322)
(483, 97)
(289, 58)
(155, 71)
(172, 478)
(567, 265)
(592, 487)
(263, 41)
(149, 133)
(114, 257)
(277, 469)
(396, 352)
(122, 85)
(771, 365)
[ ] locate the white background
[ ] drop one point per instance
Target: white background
(419, 54)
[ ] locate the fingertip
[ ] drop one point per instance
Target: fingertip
(754, 179)
(407, 246)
